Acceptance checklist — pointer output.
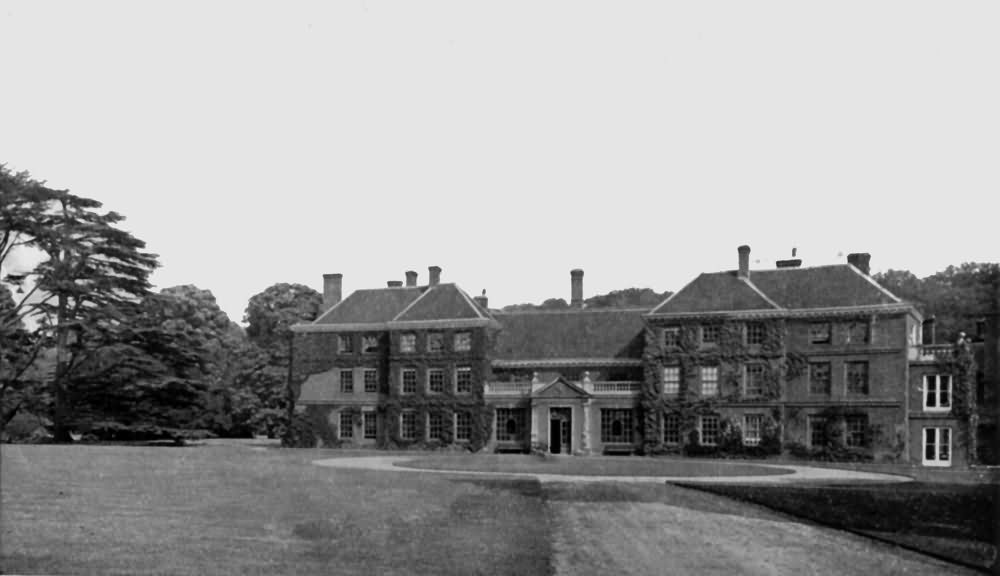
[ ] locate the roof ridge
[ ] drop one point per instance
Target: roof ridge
(331, 308)
(571, 311)
(671, 297)
(469, 301)
(760, 293)
(410, 305)
(875, 284)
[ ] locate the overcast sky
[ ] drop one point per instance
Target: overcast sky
(508, 142)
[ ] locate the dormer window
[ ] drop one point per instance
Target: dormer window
(369, 344)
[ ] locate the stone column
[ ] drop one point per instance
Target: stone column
(585, 446)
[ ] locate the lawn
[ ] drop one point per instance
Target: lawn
(954, 521)
(233, 510)
(590, 466)
(228, 509)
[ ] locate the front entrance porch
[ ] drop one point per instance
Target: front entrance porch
(560, 430)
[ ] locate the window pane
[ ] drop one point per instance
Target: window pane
(409, 381)
(346, 425)
(435, 380)
(671, 429)
(408, 343)
(819, 333)
(709, 380)
(671, 380)
(944, 392)
(671, 336)
(371, 380)
(616, 425)
(944, 446)
(370, 424)
(347, 381)
(463, 380)
(463, 341)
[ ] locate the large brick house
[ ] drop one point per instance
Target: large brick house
(820, 361)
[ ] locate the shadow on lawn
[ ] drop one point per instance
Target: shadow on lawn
(955, 522)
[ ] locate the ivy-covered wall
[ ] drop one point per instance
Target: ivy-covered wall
(784, 352)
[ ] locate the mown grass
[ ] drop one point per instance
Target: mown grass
(954, 521)
(231, 510)
(590, 466)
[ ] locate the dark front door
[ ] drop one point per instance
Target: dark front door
(560, 426)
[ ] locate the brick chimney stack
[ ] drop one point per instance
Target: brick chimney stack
(435, 275)
(411, 278)
(576, 288)
(483, 301)
(332, 287)
(744, 270)
(861, 261)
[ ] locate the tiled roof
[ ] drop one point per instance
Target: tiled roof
(821, 287)
(837, 286)
(603, 333)
(715, 291)
(417, 304)
(444, 301)
(371, 306)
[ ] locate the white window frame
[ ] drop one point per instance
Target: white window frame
(701, 429)
(402, 381)
(341, 378)
(680, 429)
(752, 434)
(402, 428)
(675, 331)
(933, 383)
(937, 443)
(364, 425)
(347, 339)
(710, 375)
(674, 383)
(341, 427)
(430, 416)
(746, 379)
(433, 371)
(463, 370)
(364, 380)
(408, 348)
(465, 338)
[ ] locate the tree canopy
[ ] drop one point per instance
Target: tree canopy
(627, 298)
(957, 296)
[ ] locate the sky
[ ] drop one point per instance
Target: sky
(251, 143)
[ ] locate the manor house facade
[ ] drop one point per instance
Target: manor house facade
(800, 359)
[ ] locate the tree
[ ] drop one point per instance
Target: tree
(270, 316)
(627, 298)
(956, 296)
(93, 277)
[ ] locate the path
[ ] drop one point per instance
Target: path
(799, 474)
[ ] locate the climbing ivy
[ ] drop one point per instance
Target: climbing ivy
(730, 353)
(961, 364)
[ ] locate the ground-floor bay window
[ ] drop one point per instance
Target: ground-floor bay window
(937, 446)
(509, 425)
(616, 426)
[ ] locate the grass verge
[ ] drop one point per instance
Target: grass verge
(590, 466)
(957, 522)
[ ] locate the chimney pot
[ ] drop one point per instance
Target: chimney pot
(332, 289)
(861, 261)
(744, 270)
(576, 288)
(483, 301)
(435, 275)
(411, 278)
